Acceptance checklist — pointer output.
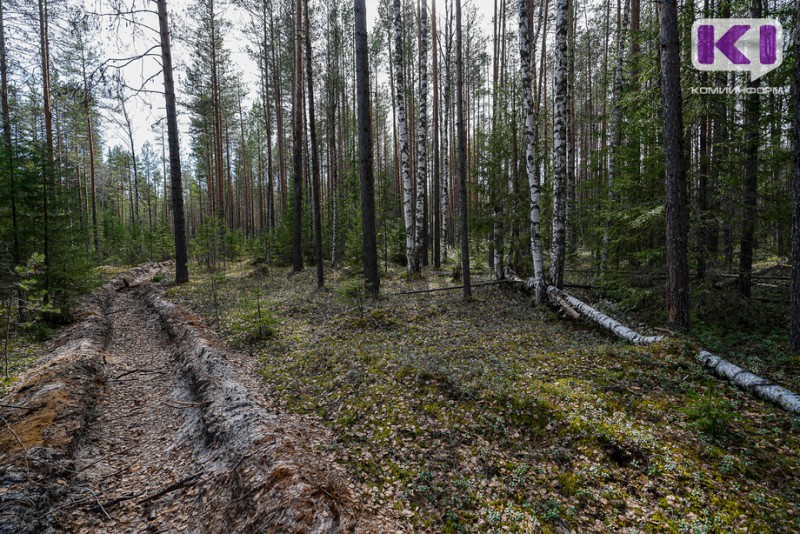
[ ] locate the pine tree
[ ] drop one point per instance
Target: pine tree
(675, 171)
(368, 239)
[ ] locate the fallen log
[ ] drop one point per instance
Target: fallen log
(757, 272)
(575, 308)
(746, 380)
(750, 382)
(559, 297)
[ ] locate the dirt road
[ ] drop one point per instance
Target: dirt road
(140, 420)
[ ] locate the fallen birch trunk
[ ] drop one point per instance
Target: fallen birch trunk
(746, 380)
(565, 300)
(750, 382)
(577, 308)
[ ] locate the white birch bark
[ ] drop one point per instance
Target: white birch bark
(751, 383)
(558, 245)
(422, 131)
(614, 126)
(530, 154)
(609, 323)
(402, 128)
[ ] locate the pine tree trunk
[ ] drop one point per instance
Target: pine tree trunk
(422, 138)
(368, 234)
(752, 111)
(181, 256)
(558, 248)
(48, 167)
(8, 146)
(405, 163)
(315, 173)
(675, 171)
(794, 335)
(531, 160)
(445, 177)
(462, 155)
(297, 148)
(437, 204)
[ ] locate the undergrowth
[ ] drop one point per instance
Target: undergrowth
(494, 416)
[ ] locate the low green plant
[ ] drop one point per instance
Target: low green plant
(710, 416)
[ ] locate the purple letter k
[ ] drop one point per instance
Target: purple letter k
(726, 44)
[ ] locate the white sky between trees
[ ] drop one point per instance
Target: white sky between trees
(147, 109)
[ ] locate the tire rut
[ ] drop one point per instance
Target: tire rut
(169, 435)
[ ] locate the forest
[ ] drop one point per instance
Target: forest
(526, 265)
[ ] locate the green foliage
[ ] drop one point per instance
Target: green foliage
(255, 324)
(710, 415)
(353, 291)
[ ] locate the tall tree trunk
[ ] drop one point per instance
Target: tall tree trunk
(675, 171)
(368, 237)
(615, 128)
(278, 115)
(531, 160)
(752, 111)
(48, 168)
(181, 256)
(794, 334)
(315, 179)
(422, 139)
(558, 246)
(437, 204)
(445, 177)
(297, 178)
(462, 154)
(570, 127)
(9, 147)
(405, 163)
(135, 182)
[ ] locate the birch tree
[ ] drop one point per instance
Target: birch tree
(402, 127)
(615, 125)
(422, 137)
(558, 246)
(530, 153)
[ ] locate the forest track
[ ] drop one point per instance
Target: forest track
(141, 420)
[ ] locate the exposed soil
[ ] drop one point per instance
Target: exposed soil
(139, 419)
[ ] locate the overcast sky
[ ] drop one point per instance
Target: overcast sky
(148, 109)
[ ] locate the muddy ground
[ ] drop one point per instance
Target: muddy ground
(140, 420)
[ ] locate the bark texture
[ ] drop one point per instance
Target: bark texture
(461, 127)
(530, 153)
(750, 382)
(178, 218)
(675, 172)
(402, 127)
(422, 139)
(614, 130)
(794, 334)
(558, 245)
(368, 236)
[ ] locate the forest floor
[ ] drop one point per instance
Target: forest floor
(493, 415)
(415, 410)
